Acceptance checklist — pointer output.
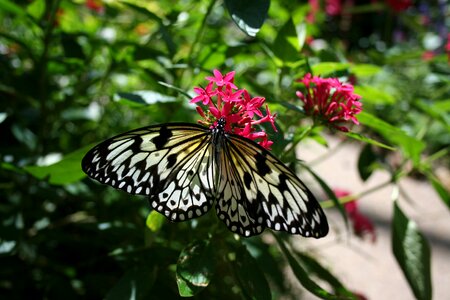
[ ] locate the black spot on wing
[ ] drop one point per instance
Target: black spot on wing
(164, 135)
(247, 180)
(261, 165)
(171, 160)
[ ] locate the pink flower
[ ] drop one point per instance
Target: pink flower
(221, 80)
(333, 7)
(361, 224)
(447, 47)
(329, 101)
(242, 113)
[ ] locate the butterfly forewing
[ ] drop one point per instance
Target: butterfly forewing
(170, 163)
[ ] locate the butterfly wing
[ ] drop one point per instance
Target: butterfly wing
(170, 163)
(258, 191)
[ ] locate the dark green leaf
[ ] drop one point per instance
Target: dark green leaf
(366, 161)
(248, 15)
(412, 253)
(195, 268)
(301, 274)
(253, 283)
(313, 266)
(143, 98)
(440, 189)
(135, 284)
(11, 7)
(329, 193)
(65, 171)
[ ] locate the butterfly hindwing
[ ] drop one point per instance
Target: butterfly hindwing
(170, 163)
(274, 195)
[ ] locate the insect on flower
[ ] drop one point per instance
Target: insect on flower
(185, 169)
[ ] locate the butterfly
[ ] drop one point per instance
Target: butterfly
(186, 169)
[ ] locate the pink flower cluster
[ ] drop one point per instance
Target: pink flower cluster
(223, 99)
(361, 224)
(329, 101)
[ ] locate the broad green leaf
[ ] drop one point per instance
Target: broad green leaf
(361, 70)
(374, 95)
(65, 171)
(435, 110)
(411, 147)
(248, 15)
(287, 43)
(36, 8)
(362, 138)
(195, 268)
(155, 220)
(142, 98)
(253, 283)
(366, 162)
(135, 284)
(327, 68)
(301, 274)
(412, 253)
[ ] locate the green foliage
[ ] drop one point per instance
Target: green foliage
(73, 74)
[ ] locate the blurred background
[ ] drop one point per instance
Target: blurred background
(73, 73)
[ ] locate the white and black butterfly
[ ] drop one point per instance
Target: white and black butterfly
(185, 169)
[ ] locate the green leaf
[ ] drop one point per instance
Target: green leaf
(327, 68)
(329, 193)
(313, 266)
(11, 7)
(250, 277)
(362, 138)
(362, 70)
(142, 98)
(302, 275)
(67, 170)
(248, 15)
(155, 221)
(412, 253)
(195, 268)
(411, 147)
(374, 95)
(440, 189)
(287, 43)
(366, 161)
(135, 284)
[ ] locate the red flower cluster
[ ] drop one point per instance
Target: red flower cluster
(399, 5)
(329, 101)
(95, 5)
(361, 224)
(235, 105)
(447, 47)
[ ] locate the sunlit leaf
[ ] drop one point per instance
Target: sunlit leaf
(327, 68)
(374, 95)
(248, 15)
(368, 140)
(411, 147)
(195, 268)
(361, 70)
(287, 43)
(66, 171)
(11, 7)
(143, 98)
(155, 221)
(412, 253)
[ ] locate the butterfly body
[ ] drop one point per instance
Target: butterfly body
(185, 169)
